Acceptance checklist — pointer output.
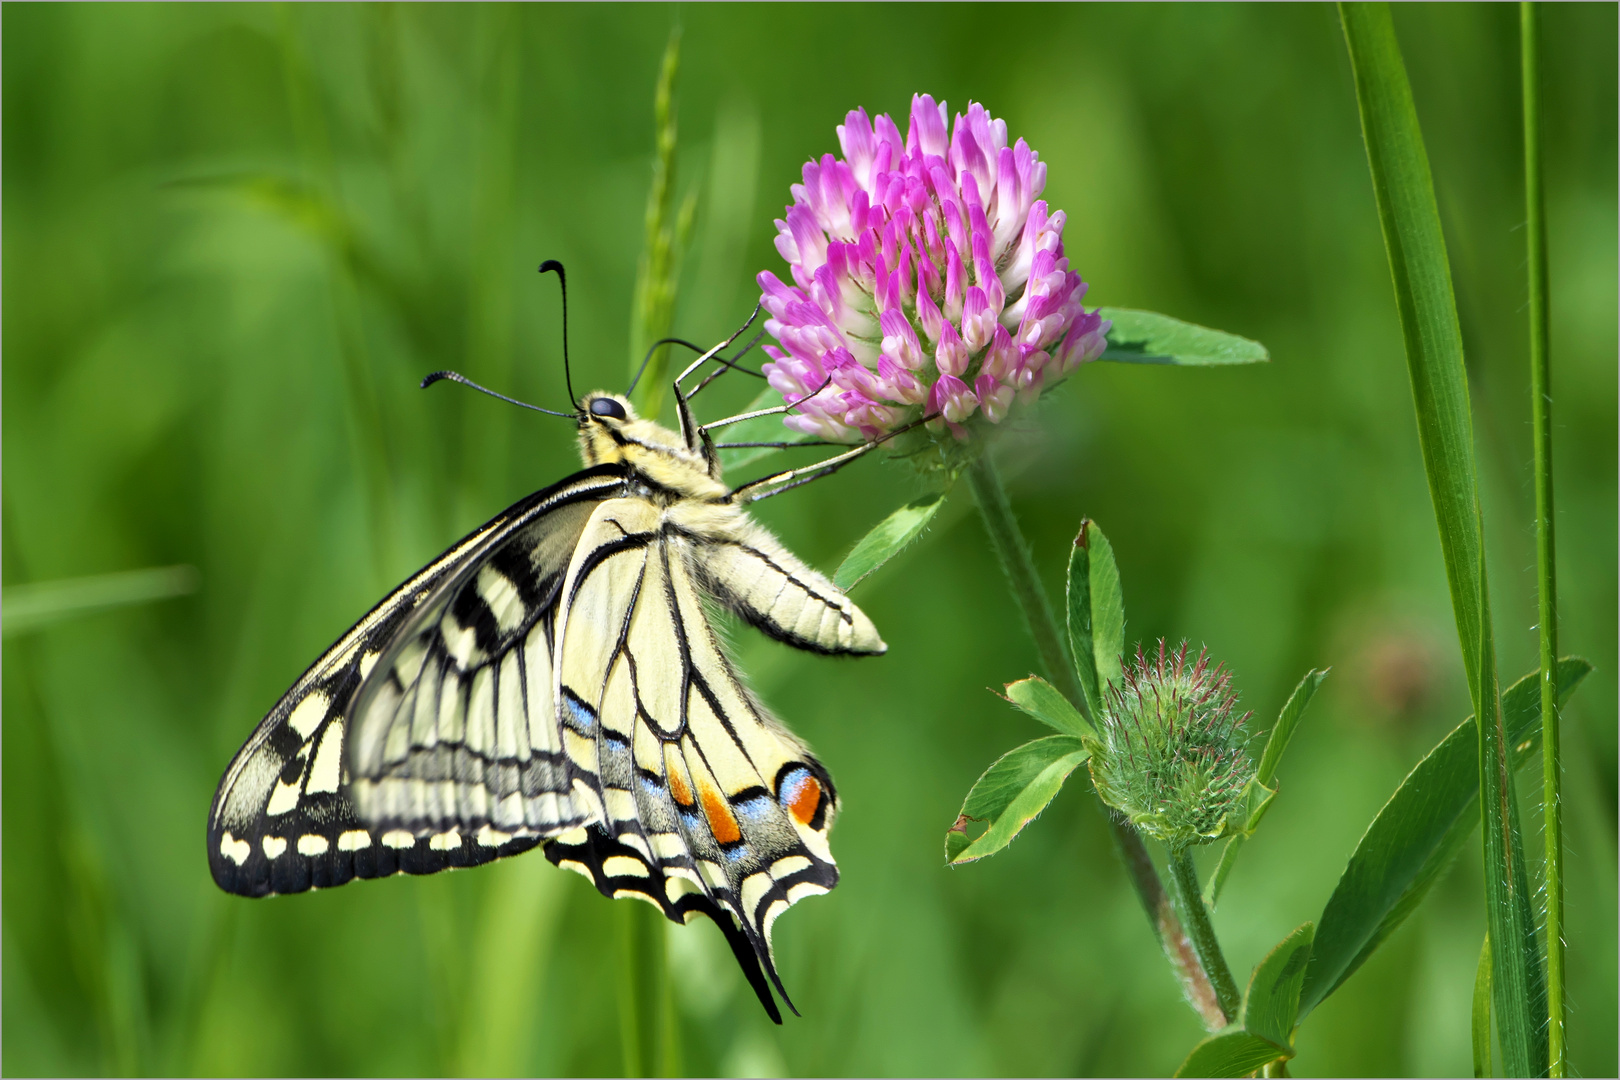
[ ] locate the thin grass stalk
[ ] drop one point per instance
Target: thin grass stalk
(1535, 213)
(367, 433)
(490, 330)
(1013, 552)
(1410, 218)
(667, 232)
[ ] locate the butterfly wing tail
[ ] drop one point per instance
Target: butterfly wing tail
(620, 871)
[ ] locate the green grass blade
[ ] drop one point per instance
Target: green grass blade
(654, 303)
(1146, 337)
(28, 607)
(1482, 1011)
(1414, 837)
(1535, 234)
(1404, 190)
(887, 539)
(1046, 703)
(509, 952)
(1010, 793)
(1535, 959)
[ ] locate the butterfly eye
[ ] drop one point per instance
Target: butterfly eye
(606, 406)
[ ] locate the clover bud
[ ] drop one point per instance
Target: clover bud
(1169, 752)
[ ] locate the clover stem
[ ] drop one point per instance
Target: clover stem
(1013, 551)
(1190, 900)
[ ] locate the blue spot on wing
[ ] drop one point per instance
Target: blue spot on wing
(756, 808)
(578, 715)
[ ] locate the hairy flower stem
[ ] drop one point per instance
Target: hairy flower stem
(1190, 900)
(1013, 551)
(1541, 419)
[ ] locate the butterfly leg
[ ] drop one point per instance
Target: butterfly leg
(792, 478)
(695, 438)
(775, 410)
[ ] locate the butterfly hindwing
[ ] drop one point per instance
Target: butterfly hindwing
(748, 570)
(695, 778)
(285, 818)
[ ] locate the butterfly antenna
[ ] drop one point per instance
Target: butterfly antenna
(726, 365)
(454, 376)
(654, 347)
(562, 280)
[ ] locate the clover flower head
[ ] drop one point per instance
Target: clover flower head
(928, 280)
(1170, 749)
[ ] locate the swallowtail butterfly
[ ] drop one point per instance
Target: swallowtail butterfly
(553, 680)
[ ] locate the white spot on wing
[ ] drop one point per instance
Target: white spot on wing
(623, 866)
(578, 868)
(308, 714)
(235, 850)
(399, 839)
(283, 799)
(781, 868)
(313, 845)
(676, 887)
(445, 841)
(804, 889)
(621, 805)
(324, 774)
(367, 662)
(459, 641)
(771, 913)
(273, 846)
(354, 840)
(754, 888)
(714, 875)
(502, 597)
(489, 837)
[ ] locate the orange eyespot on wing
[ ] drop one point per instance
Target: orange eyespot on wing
(806, 802)
(800, 794)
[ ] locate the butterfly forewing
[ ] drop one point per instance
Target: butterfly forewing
(458, 730)
(285, 817)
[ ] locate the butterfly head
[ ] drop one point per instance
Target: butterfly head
(611, 432)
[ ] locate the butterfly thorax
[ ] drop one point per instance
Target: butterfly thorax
(610, 433)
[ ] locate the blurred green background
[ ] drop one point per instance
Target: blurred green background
(235, 238)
